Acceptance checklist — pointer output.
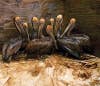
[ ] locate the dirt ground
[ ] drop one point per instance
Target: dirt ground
(55, 70)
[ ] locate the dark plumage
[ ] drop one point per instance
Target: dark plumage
(84, 40)
(11, 48)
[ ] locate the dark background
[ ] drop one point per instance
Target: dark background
(87, 13)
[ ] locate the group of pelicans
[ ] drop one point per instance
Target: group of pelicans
(43, 39)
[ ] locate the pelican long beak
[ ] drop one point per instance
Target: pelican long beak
(69, 28)
(18, 24)
(52, 21)
(25, 26)
(49, 31)
(41, 26)
(58, 26)
(35, 23)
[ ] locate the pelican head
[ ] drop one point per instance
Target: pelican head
(59, 18)
(17, 18)
(49, 29)
(42, 21)
(25, 24)
(52, 20)
(72, 20)
(35, 19)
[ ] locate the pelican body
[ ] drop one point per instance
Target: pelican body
(69, 46)
(16, 45)
(11, 48)
(40, 46)
(84, 40)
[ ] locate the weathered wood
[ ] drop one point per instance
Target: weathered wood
(6, 35)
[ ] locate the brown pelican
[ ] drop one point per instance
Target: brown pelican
(68, 44)
(15, 45)
(41, 26)
(22, 28)
(65, 44)
(35, 25)
(84, 40)
(58, 25)
(25, 27)
(18, 24)
(49, 30)
(35, 22)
